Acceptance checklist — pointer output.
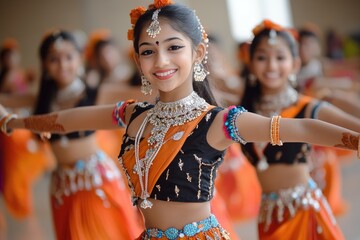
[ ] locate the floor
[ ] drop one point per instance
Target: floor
(39, 227)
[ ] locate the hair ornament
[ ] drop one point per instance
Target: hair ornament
(267, 24)
(154, 28)
(134, 16)
(244, 53)
(10, 43)
(136, 13)
(94, 38)
(272, 37)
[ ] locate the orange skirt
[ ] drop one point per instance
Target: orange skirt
(306, 216)
(238, 184)
(219, 209)
(91, 201)
(326, 173)
(23, 160)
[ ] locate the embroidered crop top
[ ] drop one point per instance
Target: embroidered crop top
(88, 100)
(289, 153)
(191, 174)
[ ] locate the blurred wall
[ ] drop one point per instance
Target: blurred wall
(27, 21)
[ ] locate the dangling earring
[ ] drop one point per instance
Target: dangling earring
(145, 86)
(199, 72)
(293, 79)
(252, 80)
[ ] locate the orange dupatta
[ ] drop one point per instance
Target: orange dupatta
(164, 157)
(291, 112)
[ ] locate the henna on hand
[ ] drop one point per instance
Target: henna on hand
(44, 123)
(349, 141)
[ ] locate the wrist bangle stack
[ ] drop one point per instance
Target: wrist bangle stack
(275, 131)
(4, 121)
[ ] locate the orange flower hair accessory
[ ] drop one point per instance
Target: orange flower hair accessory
(160, 3)
(267, 24)
(10, 43)
(136, 13)
(94, 38)
(244, 52)
(134, 16)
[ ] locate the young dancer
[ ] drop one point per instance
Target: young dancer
(172, 149)
(293, 207)
(87, 188)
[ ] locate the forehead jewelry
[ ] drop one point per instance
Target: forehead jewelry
(272, 37)
(58, 43)
(154, 28)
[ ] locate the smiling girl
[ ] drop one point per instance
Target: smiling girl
(171, 150)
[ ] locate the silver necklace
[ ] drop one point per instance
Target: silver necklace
(163, 116)
(271, 105)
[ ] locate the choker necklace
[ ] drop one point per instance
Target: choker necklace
(271, 105)
(74, 89)
(163, 116)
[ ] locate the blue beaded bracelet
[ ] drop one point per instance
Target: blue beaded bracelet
(230, 128)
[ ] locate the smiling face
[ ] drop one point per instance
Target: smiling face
(62, 63)
(272, 64)
(167, 61)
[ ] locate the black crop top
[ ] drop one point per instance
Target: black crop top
(289, 153)
(88, 100)
(191, 174)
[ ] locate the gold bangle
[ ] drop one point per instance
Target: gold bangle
(275, 131)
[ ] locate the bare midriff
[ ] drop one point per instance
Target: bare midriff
(281, 176)
(164, 214)
(76, 149)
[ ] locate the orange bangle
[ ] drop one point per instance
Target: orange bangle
(275, 131)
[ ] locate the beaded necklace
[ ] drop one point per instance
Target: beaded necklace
(271, 105)
(163, 116)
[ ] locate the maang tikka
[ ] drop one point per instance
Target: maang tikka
(154, 28)
(272, 37)
(200, 72)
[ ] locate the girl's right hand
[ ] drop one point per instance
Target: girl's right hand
(3, 112)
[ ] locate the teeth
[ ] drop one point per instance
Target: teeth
(163, 74)
(272, 75)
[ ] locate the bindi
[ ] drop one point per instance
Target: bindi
(157, 43)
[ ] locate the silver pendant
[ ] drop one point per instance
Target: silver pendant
(262, 164)
(146, 204)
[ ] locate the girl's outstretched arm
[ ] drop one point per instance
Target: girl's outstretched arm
(255, 128)
(70, 120)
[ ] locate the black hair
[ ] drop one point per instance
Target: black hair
(97, 49)
(48, 87)
(252, 91)
(307, 33)
(184, 20)
(4, 53)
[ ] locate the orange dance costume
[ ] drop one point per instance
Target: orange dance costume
(184, 169)
(86, 195)
(299, 212)
(23, 160)
(238, 184)
(89, 199)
